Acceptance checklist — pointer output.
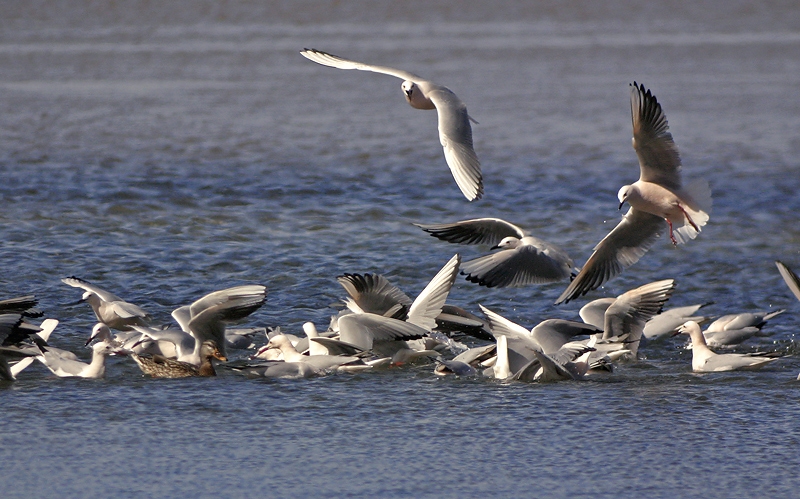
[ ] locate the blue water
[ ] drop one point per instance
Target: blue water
(164, 152)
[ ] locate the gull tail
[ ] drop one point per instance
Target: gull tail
(697, 205)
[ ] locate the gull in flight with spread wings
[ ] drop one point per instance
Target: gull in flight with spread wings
(455, 132)
(658, 200)
(522, 259)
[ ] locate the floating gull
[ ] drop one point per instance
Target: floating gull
(64, 364)
(455, 132)
(657, 196)
(320, 362)
(162, 367)
(705, 360)
(733, 329)
(522, 259)
(109, 308)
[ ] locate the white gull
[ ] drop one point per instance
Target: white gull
(706, 360)
(658, 196)
(109, 308)
(522, 259)
(455, 132)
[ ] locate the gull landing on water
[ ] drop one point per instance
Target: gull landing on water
(658, 196)
(455, 132)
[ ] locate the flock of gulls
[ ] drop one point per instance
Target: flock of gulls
(381, 326)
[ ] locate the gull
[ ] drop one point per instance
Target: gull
(380, 311)
(658, 196)
(65, 364)
(705, 360)
(790, 278)
(522, 259)
(162, 367)
(373, 293)
(320, 362)
(455, 132)
(733, 329)
(517, 349)
(625, 319)
(109, 308)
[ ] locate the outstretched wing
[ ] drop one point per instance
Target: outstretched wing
(620, 249)
(659, 161)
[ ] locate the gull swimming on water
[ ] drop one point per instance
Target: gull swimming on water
(522, 259)
(658, 196)
(109, 308)
(705, 360)
(455, 132)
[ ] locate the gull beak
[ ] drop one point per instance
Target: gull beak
(620, 205)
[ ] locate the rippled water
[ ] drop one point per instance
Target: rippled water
(167, 151)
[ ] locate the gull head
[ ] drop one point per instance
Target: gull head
(687, 328)
(100, 332)
(510, 242)
(408, 90)
(623, 194)
(415, 96)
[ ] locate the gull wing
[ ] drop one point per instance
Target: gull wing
(127, 310)
(475, 231)
(104, 295)
(334, 61)
(659, 161)
(790, 278)
(428, 305)
(455, 135)
(362, 330)
(502, 326)
(526, 264)
(621, 248)
(373, 293)
(256, 294)
(552, 334)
